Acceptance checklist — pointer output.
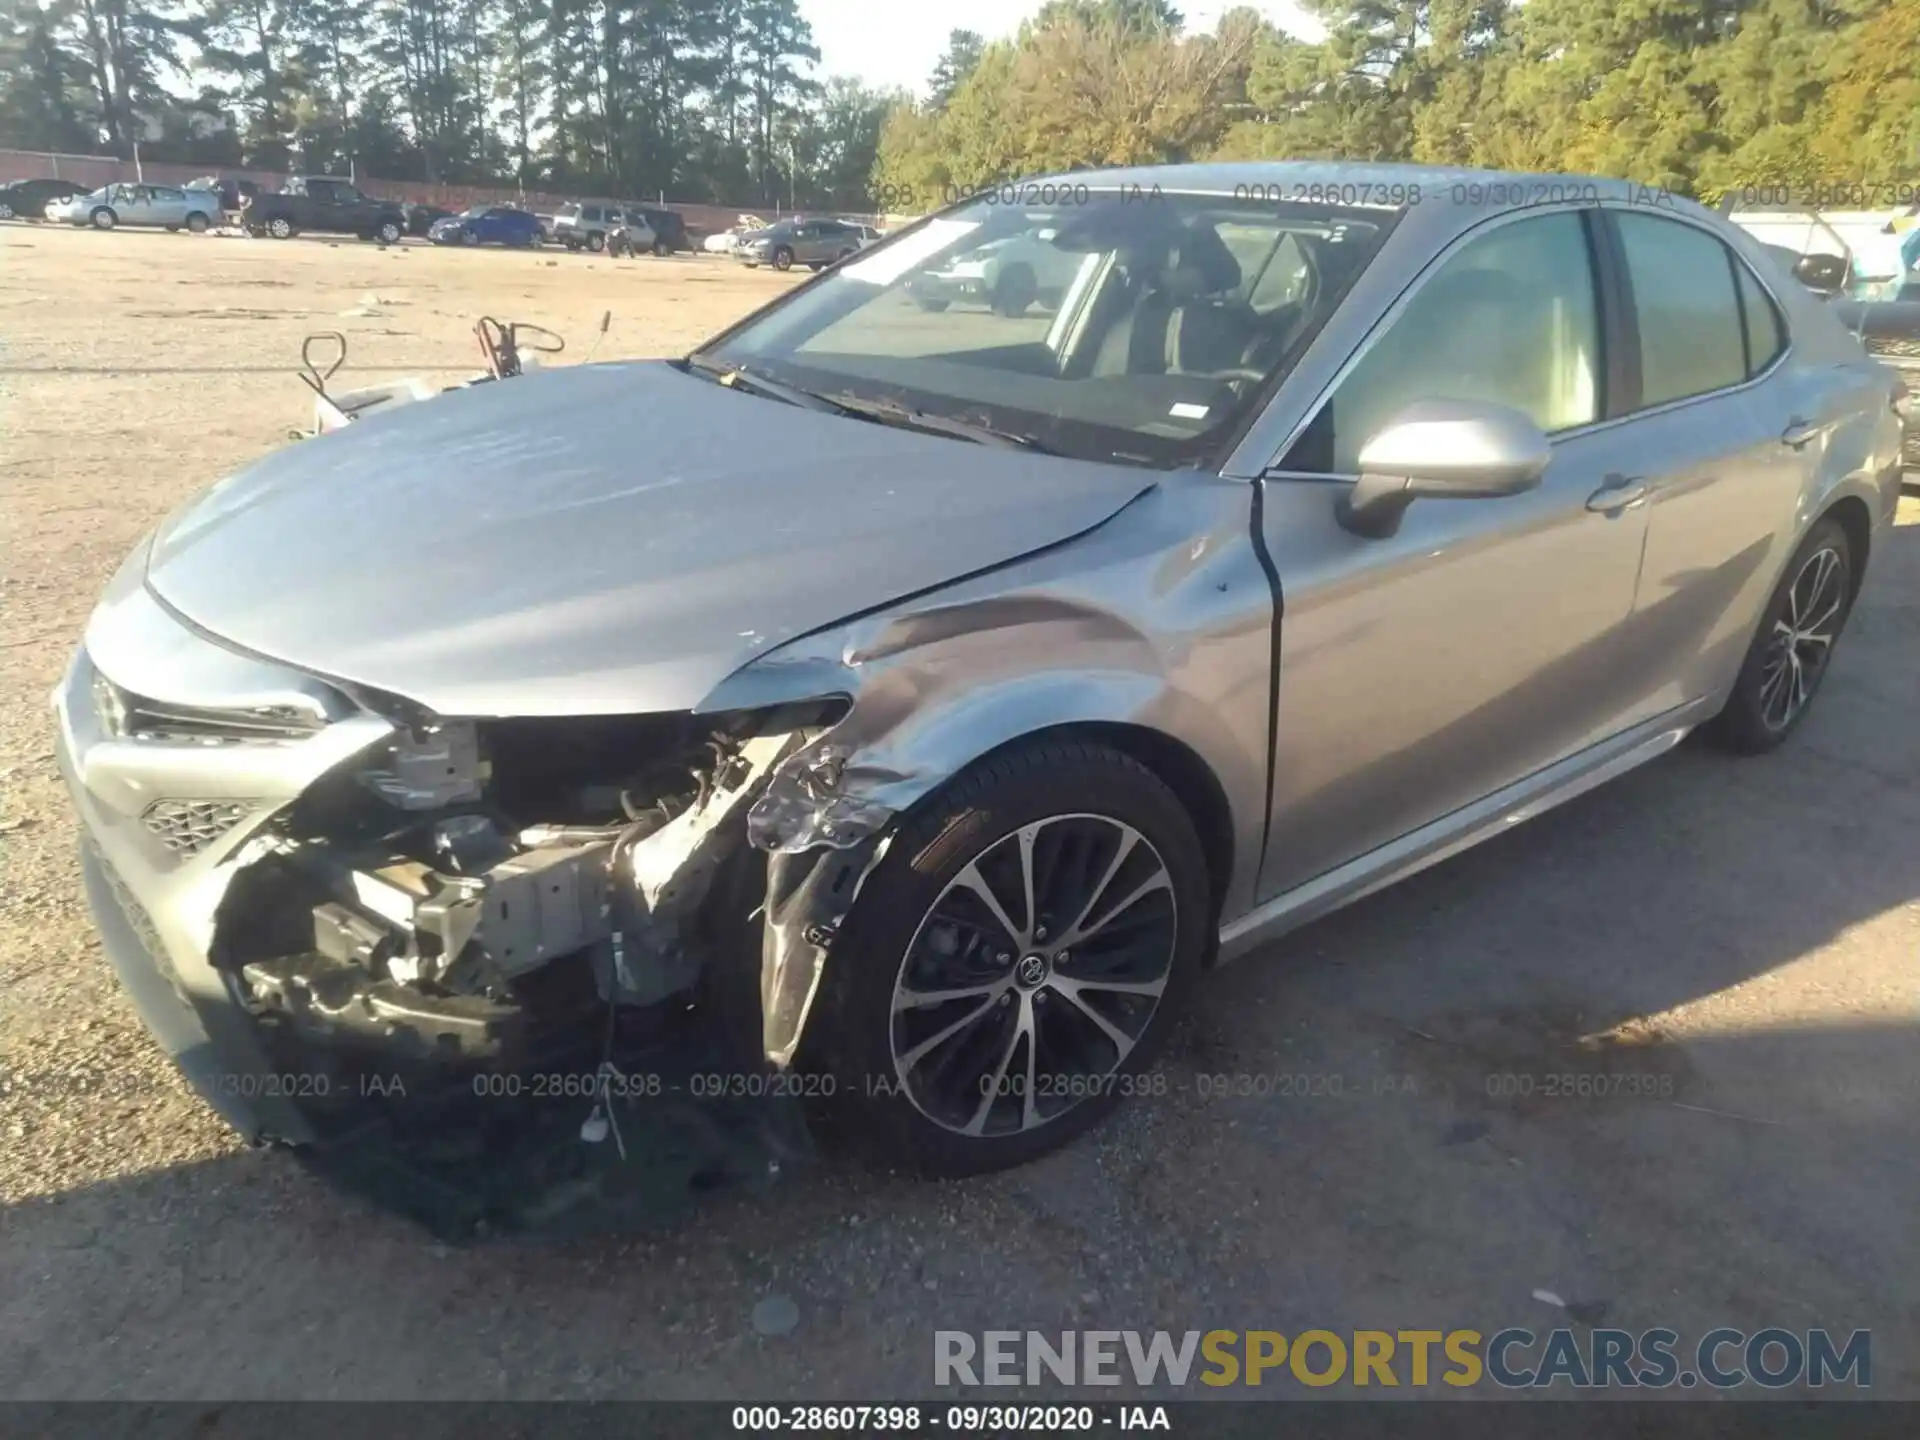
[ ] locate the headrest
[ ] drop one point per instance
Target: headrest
(1200, 263)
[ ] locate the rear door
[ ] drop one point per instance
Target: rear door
(1722, 430)
(1423, 671)
(169, 205)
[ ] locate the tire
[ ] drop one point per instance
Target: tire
(469, 236)
(388, 233)
(280, 228)
(1772, 695)
(816, 266)
(198, 224)
(782, 258)
(919, 928)
(661, 249)
(104, 219)
(6, 211)
(596, 242)
(931, 304)
(1014, 291)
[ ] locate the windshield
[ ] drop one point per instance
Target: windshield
(1109, 326)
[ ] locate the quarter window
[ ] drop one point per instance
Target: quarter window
(1766, 337)
(1510, 318)
(1692, 339)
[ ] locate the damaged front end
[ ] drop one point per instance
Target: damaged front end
(492, 969)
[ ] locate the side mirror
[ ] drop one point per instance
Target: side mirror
(1443, 450)
(1822, 274)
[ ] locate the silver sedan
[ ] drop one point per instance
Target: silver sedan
(160, 206)
(946, 692)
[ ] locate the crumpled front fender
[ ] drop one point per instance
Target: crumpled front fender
(1161, 619)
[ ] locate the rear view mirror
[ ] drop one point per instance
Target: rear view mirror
(1822, 274)
(1443, 450)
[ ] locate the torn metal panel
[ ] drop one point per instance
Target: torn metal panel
(809, 895)
(1154, 621)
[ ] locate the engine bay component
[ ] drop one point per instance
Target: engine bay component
(542, 903)
(430, 770)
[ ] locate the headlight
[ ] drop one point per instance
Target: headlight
(109, 707)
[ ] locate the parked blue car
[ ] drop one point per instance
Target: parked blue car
(488, 225)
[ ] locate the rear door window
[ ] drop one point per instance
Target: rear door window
(1693, 340)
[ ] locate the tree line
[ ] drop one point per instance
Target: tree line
(1702, 97)
(700, 99)
(719, 99)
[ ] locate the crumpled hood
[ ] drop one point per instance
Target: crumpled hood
(596, 539)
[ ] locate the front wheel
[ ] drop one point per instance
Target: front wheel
(104, 219)
(6, 211)
(1014, 291)
(1016, 960)
(596, 242)
(661, 249)
(1790, 655)
(783, 259)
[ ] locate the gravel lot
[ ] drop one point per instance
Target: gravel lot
(1748, 929)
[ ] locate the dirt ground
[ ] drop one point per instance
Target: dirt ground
(1754, 925)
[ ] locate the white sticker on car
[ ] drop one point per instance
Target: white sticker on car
(1183, 411)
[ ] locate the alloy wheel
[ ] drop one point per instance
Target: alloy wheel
(1803, 638)
(1033, 975)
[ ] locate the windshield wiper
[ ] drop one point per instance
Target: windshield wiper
(908, 419)
(738, 377)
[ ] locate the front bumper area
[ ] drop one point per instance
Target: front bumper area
(160, 822)
(178, 831)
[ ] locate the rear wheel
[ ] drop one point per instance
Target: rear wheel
(661, 249)
(1791, 652)
(389, 232)
(930, 304)
(1016, 960)
(6, 211)
(104, 219)
(280, 228)
(198, 223)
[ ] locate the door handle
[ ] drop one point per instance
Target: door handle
(1621, 492)
(1798, 434)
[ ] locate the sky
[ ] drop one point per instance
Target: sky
(899, 43)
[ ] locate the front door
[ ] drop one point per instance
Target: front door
(1483, 641)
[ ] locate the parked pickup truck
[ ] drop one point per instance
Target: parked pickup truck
(321, 203)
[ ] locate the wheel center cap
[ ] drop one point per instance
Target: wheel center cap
(1031, 972)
